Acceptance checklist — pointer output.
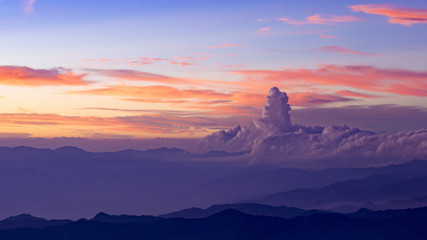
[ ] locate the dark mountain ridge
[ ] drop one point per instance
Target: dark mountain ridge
(232, 224)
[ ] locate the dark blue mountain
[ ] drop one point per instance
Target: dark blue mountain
(234, 225)
(28, 221)
(106, 218)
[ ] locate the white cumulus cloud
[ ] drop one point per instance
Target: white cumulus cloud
(274, 139)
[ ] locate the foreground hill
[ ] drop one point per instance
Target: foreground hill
(232, 224)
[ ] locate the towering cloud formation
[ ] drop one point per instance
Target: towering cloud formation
(273, 138)
(275, 115)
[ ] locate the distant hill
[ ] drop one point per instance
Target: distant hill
(391, 183)
(106, 218)
(69, 182)
(248, 208)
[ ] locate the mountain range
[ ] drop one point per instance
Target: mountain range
(391, 183)
(233, 224)
(71, 183)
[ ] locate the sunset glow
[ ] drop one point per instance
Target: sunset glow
(144, 69)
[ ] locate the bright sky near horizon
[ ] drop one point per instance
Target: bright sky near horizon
(185, 68)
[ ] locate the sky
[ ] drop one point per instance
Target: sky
(186, 68)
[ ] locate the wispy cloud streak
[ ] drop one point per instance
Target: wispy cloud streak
(397, 15)
(226, 45)
(319, 19)
(338, 49)
(25, 76)
(397, 81)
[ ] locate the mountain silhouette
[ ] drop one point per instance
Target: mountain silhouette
(232, 224)
(28, 221)
(106, 218)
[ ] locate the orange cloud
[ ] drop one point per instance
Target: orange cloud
(25, 76)
(403, 16)
(139, 125)
(227, 45)
(181, 63)
(319, 19)
(167, 94)
(208, 101)
(153, 93)
(360, 77)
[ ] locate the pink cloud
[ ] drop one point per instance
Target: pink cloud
(397, 81)
(227, 45)
(403, 16)
(153, 59)
(328, 36)
(263, 30)
(29, 6)
(111, 61)
(104, 60)
(145, 61)
(319, 19)
(268, 31)
(181, 63)
(186, 58)
(141, 61)
(338, 49)
(138, 63)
